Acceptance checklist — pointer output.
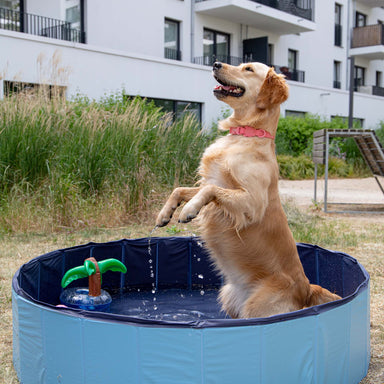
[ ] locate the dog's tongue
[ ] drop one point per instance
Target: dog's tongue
(225, 87)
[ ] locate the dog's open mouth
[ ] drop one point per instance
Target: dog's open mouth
(223, 89)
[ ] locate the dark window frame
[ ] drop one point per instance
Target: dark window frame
(157, 101)
(360, 17)
(215, 33)
(379, 79)
(295, 55)
(337, 74)
(168, 54)
(338, 26)
(11, 88)
(359, 76)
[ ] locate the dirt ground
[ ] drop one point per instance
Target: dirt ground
(346, 191)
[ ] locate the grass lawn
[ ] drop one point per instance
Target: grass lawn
(359, 235)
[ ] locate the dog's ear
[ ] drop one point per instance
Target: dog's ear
(274, 90)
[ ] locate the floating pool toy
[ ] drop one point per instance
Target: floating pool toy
(92, 298)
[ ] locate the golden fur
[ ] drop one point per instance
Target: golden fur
(241, 218)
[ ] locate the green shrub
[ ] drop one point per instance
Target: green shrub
(302, 167)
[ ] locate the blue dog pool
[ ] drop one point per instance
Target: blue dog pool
(165, 326)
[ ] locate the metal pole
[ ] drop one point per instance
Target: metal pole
(326, 171)
(351, 90)
(315, 194)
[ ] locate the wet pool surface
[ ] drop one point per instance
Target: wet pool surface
(170, 305)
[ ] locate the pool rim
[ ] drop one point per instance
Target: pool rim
(205, 323)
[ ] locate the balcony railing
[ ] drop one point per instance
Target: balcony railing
(290, 74)
(369, 89)
(301, 8)
(209, 60)
(173, 54)
(368, 36)
(39, 26)
(336, 84)
(377, 91)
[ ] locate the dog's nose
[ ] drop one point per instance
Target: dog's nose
(217, 65)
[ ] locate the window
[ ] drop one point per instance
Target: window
(292, 59)
(359, 77)
(10, 15)
(13, 5)
(270, 54)
(178, 108)
(172, 40)
(379, 79)
(298, 114)
(338, 28)
(360, 19)
(12, 88)
(74, 14)
(336, 74)
(215, 47)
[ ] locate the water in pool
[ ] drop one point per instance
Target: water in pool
(168, 305)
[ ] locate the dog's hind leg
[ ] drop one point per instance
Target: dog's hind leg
(177, 197)
(270, 298)
(319, 295)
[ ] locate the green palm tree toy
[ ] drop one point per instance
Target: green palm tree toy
(92, 298)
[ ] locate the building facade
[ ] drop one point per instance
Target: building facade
(164, 50)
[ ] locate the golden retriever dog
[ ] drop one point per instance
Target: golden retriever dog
(242, 221)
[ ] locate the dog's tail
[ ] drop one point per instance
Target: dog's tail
(319, 295)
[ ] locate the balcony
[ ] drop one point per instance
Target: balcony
(290, 74)
(275, 16)
(368, 42)
(172, 54)
(370, 90)
(372, 3)
(39, 26)
(209, 60)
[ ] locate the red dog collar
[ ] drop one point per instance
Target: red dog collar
(248, 131)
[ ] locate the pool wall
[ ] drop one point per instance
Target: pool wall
(324, 344)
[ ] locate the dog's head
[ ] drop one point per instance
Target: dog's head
(249, 85)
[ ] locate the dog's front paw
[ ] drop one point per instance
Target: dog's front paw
(188, 213)
(163, 218)
(162, 221)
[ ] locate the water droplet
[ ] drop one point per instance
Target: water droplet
(155, 307)
(150, 261)
(198, 259)
(154, 299)
(202, 293)
(153, 291)
(199, 244)
(200, 276)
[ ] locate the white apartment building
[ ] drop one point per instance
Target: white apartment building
(164, 50)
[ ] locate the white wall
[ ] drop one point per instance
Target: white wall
(136, 26)
(328, 102)
(95, 72)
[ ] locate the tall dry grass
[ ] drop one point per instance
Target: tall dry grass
(68, 163)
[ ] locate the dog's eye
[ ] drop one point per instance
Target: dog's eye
(249, 69)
